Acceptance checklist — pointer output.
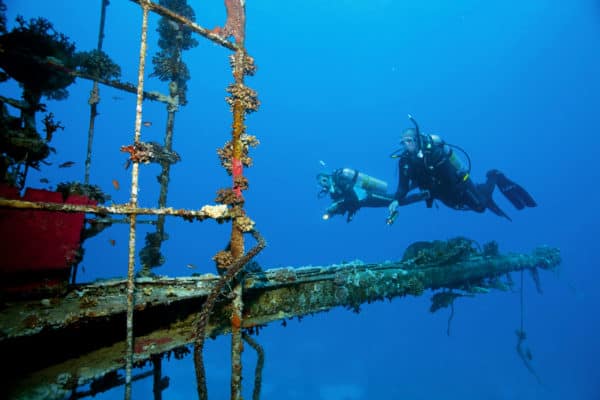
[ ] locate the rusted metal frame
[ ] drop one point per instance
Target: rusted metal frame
(20, 104)
(102, 299)
(126, 87)
(134, 200)
(237, 247)
(165, 12)
(164, 176)
(297, 294)
(97, 300)
(217, 212)
(94, 96)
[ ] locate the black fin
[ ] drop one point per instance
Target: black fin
(514, 193)
(493, 207)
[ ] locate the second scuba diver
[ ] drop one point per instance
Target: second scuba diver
(351, 190)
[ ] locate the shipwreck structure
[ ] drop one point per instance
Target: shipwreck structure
(91, 336)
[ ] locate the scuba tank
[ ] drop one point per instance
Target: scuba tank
(348, 186)
(425, 142)
(346, 178)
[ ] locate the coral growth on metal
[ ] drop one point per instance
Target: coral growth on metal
(235, 25)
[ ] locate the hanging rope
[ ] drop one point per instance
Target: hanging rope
(260, 362)
(209, 304)
(524, 353)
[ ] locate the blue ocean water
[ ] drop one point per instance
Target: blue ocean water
(514, 83)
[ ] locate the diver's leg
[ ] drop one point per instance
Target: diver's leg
(472, 197)
(479, 198)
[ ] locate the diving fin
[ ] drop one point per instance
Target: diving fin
(514, 192)
(493, 207)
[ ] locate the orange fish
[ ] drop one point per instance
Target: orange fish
(112, 242)
(116, 184)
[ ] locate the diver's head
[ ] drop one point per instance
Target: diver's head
(409, 140)
(325, 182)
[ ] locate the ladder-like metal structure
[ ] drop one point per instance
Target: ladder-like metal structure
(169, 314)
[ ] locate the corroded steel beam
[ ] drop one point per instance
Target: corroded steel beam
(207, 33)
(218, 212)
(81, 337)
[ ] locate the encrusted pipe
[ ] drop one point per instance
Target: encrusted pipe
(134, 202)
(237, 346)
(237, 241)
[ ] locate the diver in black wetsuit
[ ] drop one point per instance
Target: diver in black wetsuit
(430, 164)
(351, 190)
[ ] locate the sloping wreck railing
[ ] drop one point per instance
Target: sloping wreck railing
(167, 311)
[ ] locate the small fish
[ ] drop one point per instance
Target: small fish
(112, 242)
(147, 123)
(191, 266)
(67, 164)
(322, 163)
(44, 180)
(115, 184)
(117, 98)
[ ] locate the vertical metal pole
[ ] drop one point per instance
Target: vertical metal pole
(157, 386)
(94, 97)
(237, 238)
(134, 202)
(236, 21)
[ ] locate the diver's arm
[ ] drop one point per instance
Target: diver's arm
(403, 182)
(376, 200)
(403, 186)
(414, 198)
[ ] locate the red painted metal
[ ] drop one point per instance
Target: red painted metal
(38, 247)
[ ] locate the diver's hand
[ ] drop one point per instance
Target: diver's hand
(335, 208)
(393, 207)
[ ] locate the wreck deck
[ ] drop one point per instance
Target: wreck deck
(80, 337)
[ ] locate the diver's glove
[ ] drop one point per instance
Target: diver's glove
(337, 207)
(393, 209)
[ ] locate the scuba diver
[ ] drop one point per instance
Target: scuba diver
(430, 164)
(350, 190)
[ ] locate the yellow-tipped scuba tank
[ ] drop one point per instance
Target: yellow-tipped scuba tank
(348, 177)
(345, 185)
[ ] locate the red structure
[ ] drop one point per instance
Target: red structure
(37, 248)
